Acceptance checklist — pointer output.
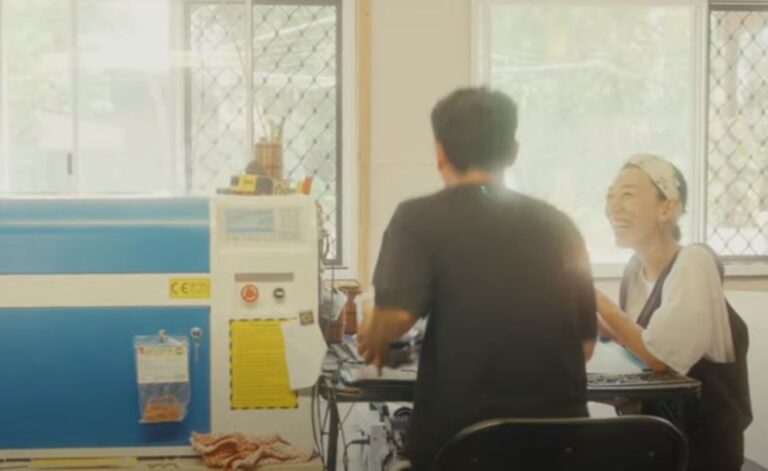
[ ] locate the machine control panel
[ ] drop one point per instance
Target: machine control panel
(258, 293)
(263, 225)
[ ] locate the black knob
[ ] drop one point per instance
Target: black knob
(279, 293)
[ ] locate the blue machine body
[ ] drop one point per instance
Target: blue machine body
(69, 372)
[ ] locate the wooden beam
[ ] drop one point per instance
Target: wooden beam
(364, 140)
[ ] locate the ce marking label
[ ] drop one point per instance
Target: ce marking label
(189, 288)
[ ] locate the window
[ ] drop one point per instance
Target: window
(86, 104)
(737, 179)
(169, 96)
(293, 51)
(597, 82)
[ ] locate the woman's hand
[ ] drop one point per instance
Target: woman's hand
(624, 330)
(604, 305)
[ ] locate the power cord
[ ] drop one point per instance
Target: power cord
(314, 396)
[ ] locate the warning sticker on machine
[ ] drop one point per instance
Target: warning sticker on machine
(162, 364)
(189, 288)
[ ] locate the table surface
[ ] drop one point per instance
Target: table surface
(608, 359)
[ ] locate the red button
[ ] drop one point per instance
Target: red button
(249, 293)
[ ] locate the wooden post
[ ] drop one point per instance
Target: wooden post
(364, 139)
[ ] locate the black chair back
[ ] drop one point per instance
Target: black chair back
(627, 443)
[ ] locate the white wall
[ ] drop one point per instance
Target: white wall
(421, 51)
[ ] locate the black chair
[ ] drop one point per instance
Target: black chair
(628, 443)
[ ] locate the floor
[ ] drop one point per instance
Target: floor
(356, 417)
(752, 466)
(355, 464)
(175, 464)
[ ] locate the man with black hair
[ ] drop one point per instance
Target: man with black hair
(503, 278)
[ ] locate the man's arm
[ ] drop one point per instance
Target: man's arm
(402, 280)
(577, 263)
(589, 349)
(379, 328)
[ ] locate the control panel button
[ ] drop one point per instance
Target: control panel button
(249, 293)
(279, 293)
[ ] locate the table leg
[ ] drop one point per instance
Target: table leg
(333, 433)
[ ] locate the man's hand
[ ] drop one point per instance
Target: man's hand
(370, 351)
(373, 352)
(381, 327)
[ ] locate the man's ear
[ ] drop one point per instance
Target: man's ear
(442, 159)
(513, 154)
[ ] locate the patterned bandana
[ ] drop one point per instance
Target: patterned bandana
(660, 171)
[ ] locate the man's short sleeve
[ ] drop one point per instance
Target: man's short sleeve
(403, 275)
(578, 267)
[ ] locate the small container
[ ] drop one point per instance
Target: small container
(269, 155)
(335, 330)
(349, 310)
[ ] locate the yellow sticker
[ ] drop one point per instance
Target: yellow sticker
(189, 288)
(246, 183)
(257, 365)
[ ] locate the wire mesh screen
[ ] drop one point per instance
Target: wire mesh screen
(295, 75)
(737, 187)
(294, 62)
(217, 121)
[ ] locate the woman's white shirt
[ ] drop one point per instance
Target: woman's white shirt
(692, 321)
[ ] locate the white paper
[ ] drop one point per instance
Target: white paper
(404, 373)
(162, 364)
(305, 350)
(610, 357)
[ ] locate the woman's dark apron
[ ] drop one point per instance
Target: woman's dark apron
(715, 424)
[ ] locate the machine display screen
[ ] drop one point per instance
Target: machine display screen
(251, 222)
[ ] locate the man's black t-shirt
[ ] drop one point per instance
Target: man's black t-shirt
(507, 288)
